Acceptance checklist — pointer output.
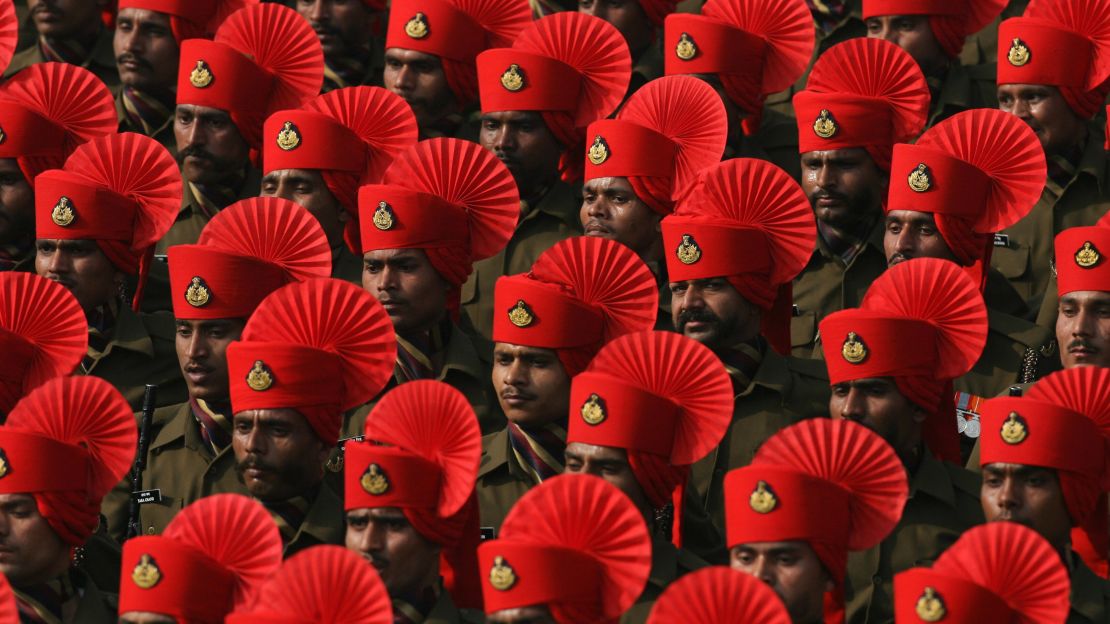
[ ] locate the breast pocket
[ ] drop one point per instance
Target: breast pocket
(803, 331)
(1012, 261)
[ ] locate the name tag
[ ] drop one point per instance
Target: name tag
(796, 311)
(486, 533)
(146, 497)
(1001, 240)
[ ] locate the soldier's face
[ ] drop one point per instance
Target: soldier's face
(522, 615)
(64, 19)
(419, 79)
(17, 204)
(209, 146)
(532, 386)
(277, 454)
(844, 186)
(307, 188)
(1083, 328)
(407, 563)
(610, 464)
(30, 551)
(522, 141)
(81, 267)
(145, 617)
(146, 51)
(910, 234)
(1028, 495)
(412, 292)
(1046, 111)
(713, 312)
(610, 209)
(627, 16)
(342, 26)
(202, 355)
(913, 34)
(792, 569)
(877, 404)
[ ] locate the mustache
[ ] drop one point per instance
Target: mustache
(1082, 344)
(696, 316)
(128, 57)
(251, 462)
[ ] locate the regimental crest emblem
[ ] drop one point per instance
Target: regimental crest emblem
(289, 137)
(1087, 256)
(593, 410)
(64, 213)
(374, 480)
(930, 606)
(513, 78)
(520, 314)
(921, 178)
(260, 377)
(763, 499)
(201, 76)
(825, 125)
(1014, 429)
(1019, 53)
(599, 151)
(383, 216)
(197, 294)
(417, 26)
(5, 466)
(501, 575)
(853, 350)
(146, 573)
(686, 49)
(688, 251)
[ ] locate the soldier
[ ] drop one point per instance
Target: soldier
(571, 522)
(934, 34)
(718, 595)
(579, 295)
(250, 249)
(863, 96)
(146, 45)
(537, 98)
(1044, 462)
(97, 221)
(430, 51)
(311, 351)
(264, 58)
(649, 406)
(409, 498)
(69, 32)
(1052, 74)
(815, 491)
(1001, 572)
(1083, 279)
(921, 325)
(45, 113)
(212, 559)
(632, 178)
(732, 249)
(640, 22)
(747, 50)
(443, 204)
(319, 155)
(349, 35)
(74, 437)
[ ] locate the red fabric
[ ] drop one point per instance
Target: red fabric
(936, 398)
(238, 85)
(192, 586)
(459, 536)
(548, 84)
(955, 187)
(658, 10)
(621, 427)
(1047, 43)
(222, 273)
(541, 579)
(1070, 275)
(964, 600)
(885, 340)
(733, 54)
(451, 32)
(861, 122)
(324, 144)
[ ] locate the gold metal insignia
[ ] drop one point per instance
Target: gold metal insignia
(513, 78)
(1014, 430)
(853, 350)
(688, 251)
(825, 126)
(383, 216)
(289, 137)
(260, 378)
(374, 481)
(763, 499)
(501, 575)
(520, 314)
(197, 294)
(417, 27)
(63, 213)
(1088, 256)
(1019, 53)
(930, 606)
(146, 573)
(593, 410)
(4, 465)
(201, 76)
(686, 48)
(921, 179)
(599, 151)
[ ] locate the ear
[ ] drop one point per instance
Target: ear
(918, 413)
(342, 214)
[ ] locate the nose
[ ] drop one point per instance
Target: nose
(371, 539)
(852, 406)
(59, 263)
(1008, 497)
(318, 12)
(824, 178)
(598, 208)
(197, 347)
(504, 140)
(762, 570)
(514, 374)
(387, 279)
(404, 79)
(904, 243)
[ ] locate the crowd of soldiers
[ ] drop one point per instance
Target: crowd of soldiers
(535, 311)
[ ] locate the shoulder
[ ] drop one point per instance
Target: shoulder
(808, 370)
(965, 482)
(493, 452)
(160, 325)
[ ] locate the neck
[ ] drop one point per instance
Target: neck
(849, 234)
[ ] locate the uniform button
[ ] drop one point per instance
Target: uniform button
(878, 580)
(150, 531)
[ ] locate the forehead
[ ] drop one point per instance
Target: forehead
(144, 16)
(15, 499)
(505, 348)
(593, 452)
(395, 255)
(203, 324)
(600, 185)
(869, 382)
(1015, 469)
(514, 117)
(377, 513)
(75, 243)
(1019, 89)
(277, 415)
(294, 174)
(1087, 297)
(769, 547)
(203, 111)
(847, 154)
(910, 216)
(406, 56)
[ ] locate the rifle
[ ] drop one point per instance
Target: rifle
(137, 493)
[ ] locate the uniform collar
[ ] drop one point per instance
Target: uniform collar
(1089, 593)
(932, 479)
(325, 522)
(554, 203)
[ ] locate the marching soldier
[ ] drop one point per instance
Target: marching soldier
(349, 33)
(72, 33)
(640, 22)
(1083, 286)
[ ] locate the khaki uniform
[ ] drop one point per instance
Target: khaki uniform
(163, 134)
(101, 60)
(783, 392)
(346, 266)
(668, 564)
(552, 219)
(777, 137)
(647, 68)
(501, 480)
(1090, 596)
(963, 88)
(943, 503)
(100, 559)
(827, 285)
(191, 220)
(1016, 351)
(141, 351)
(444, 611)
(91, 605)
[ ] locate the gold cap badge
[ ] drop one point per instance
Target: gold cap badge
(1019, 53)
(197, 294)
(686, 48)
(825, 126)
(4, 465)
(930, 606)
(599, 151)
(63, 213)
(201, 76)
(520, 314)
(1014, 430)
(688, 251)
(289, 137)
(501, 575)
(593, 410)
(513, 78)
(417, 27)
(853, 351)
(1087, 256)
(146, 573)
(383, 216)
(763, 499)
(374, 481)
(921, 178)
(260, 378)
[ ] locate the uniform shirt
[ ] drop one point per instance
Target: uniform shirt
(444, 611)
(88, 604)
(161, 129)
(346, 266)
(668, 564)
(501, 480)
(140, 351)
(1090, 595)
(101, 59)
(1016, 351)
(961, 88)
(192, 218)
(647, 68)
